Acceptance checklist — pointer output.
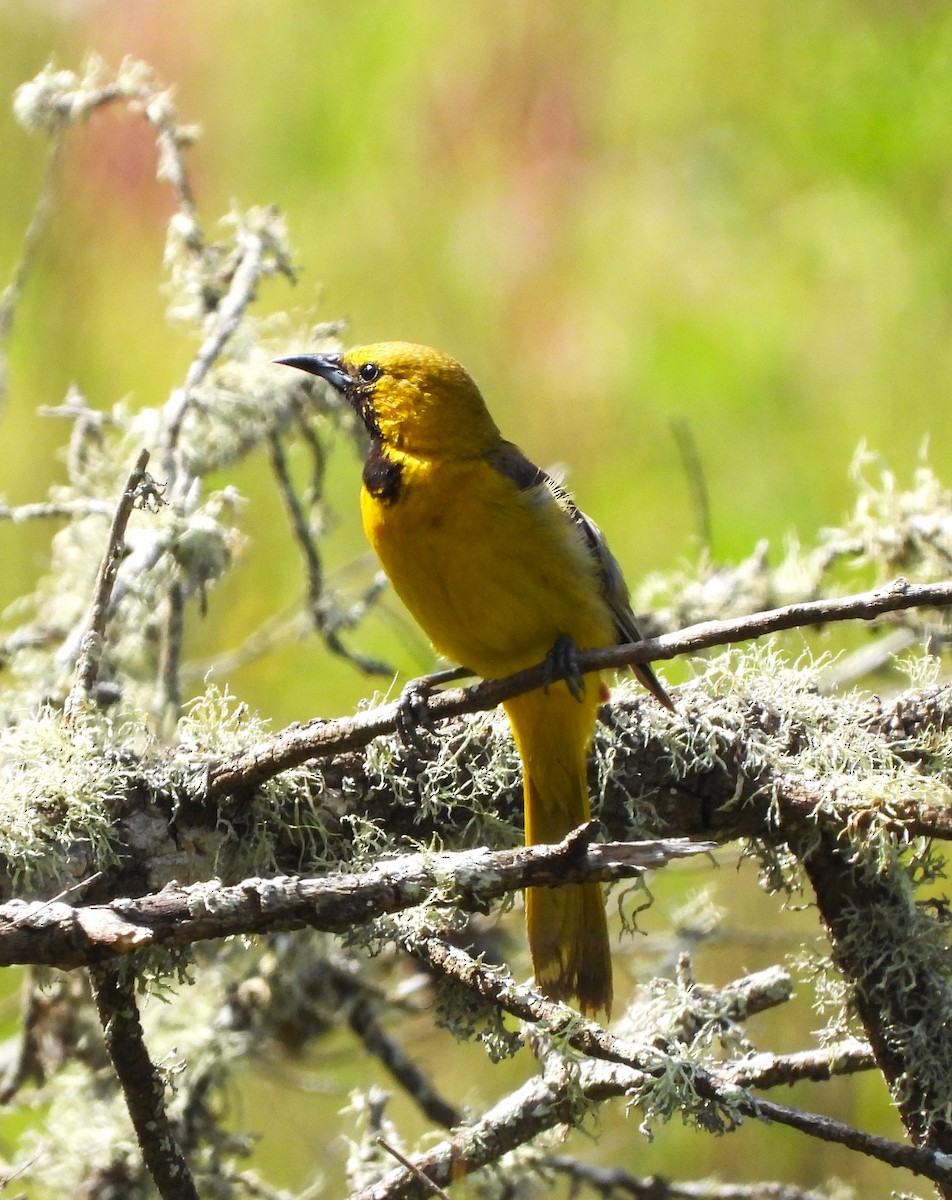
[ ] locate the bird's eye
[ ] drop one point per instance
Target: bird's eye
(369, 372)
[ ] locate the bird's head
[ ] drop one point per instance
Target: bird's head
(410, 397)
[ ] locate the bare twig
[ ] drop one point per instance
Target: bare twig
(363, 1021)
(320, 739)
(334, 620)
(52, 509)
(694, 473)
(58, 934)
(615, 1182)
(91, 649)
(171, 657)
(863, 606)
(931, 1164)
(428, 1184)
(142, 1086)
(317, 601)
(300, 526)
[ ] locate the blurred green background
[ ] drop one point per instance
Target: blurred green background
(734, 214)
(618, 215)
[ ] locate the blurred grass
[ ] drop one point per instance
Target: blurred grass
(616, 214)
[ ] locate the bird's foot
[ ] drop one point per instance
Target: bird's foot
(562, 663)
(413, 707)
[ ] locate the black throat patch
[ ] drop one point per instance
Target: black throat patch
(361, 398)
(382, 476)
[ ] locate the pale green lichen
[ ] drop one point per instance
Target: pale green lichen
(285, 810)
(465, 771)
(459, 1009)
(668, 1088)
(868, 781)
(55, 99)
(899, 950)
(59, 784)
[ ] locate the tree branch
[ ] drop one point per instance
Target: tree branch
(902, 997)
(114, 992)
(362, 1019)
(317, 600)
(546, 1103)
(326, 738)
(776, 1070)
(612, 1182)
(91, 648)
(258, 256)
(56, 509)
(58, 934)
(542, 1104)
(39, 218)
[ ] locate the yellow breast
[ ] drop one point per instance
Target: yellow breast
(494, 575)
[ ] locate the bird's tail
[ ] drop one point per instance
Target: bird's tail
(567, 928)
(568, 937)
(644, 674)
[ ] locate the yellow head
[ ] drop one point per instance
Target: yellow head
(410, 397)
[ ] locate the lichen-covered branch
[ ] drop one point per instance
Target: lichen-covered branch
(614, 1181)
(319, 739)
(54, 933)
(712, 1093)
(896, 963)
(647, 1073)
(778, 1070)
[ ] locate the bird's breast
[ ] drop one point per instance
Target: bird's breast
(492, 574)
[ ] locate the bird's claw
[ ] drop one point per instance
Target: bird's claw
(413, 707)
(562, 662)
(413, 712)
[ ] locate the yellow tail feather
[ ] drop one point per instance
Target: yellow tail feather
(567, 928)
(568, 937)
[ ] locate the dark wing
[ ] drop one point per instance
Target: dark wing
(509, 460)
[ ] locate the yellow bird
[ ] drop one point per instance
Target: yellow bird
(501, 570)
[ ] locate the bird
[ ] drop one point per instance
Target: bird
(502, 571)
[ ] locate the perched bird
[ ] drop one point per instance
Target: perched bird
(502, 571)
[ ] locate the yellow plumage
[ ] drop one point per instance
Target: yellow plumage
(497, 565)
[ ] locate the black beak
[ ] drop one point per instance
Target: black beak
(328, 366)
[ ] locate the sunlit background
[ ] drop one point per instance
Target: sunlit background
(624, 218)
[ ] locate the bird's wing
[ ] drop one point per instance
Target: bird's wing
(509, 461)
